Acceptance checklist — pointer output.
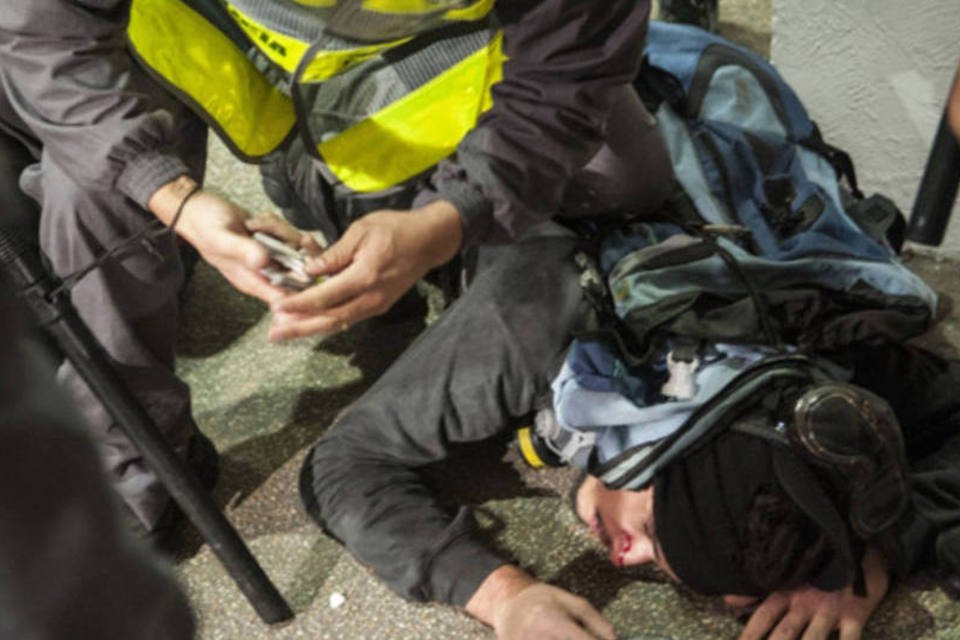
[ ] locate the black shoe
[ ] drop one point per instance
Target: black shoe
(204, 461)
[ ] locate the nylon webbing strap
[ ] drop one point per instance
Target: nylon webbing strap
(634, 468)
(839, 159)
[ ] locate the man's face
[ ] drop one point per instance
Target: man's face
(623, 522)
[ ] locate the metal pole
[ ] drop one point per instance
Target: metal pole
(938, 187)
(21, 262)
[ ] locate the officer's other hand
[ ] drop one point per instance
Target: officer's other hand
(216, 228)
(811, 614)
(379, 257)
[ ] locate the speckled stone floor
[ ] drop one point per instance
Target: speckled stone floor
(263, 404)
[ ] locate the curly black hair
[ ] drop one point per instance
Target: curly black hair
(783, 546)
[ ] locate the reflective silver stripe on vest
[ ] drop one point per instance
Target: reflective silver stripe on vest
(344, 24)
(302, 23)
(349, 20)
(337, 103)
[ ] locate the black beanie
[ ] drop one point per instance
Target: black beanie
(701, 503)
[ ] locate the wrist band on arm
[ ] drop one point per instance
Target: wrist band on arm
(176, 216)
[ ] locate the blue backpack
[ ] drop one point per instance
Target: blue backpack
(723, 309)
(760, 247)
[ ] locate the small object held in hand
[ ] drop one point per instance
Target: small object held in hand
(287, 267)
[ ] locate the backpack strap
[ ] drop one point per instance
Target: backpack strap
(601, 322)
(636, 466)
(656, 86)
(840, 160)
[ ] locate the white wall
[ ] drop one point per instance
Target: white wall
(874, 74)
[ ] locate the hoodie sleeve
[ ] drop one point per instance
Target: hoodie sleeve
(566, 57)
(485, 362)
(66, 73)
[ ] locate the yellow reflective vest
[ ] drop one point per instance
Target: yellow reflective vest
(382, 89)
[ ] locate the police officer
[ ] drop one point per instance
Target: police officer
(414, 129)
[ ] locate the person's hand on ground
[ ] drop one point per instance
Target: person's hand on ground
(518, 607)
(545, 612)
(379, 258)
(811, 614)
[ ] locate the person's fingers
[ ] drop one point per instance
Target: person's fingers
(851, 629)
(240, 262)
(764, 618)
(570, 630)
(739, 602)
(819, 627)
(589, 617)
(791, 626)
(242, 250)
(598, 625)
(336, 290)
(275, 226)
(337, 256)
(289, 327)
(310, 244)
(253, 284)
(286, 326)
(255, 255)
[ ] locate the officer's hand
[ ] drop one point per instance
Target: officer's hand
(377, 260)
(812, 614)
(216, 228)
(278, 227)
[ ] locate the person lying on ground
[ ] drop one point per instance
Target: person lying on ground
(489, 360)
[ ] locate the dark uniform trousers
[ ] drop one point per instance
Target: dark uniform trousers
(129, 305)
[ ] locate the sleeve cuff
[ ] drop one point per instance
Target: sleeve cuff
(459, 568)
(148, 172)
(476, 210)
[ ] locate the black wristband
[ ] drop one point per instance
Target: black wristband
(176, 216)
